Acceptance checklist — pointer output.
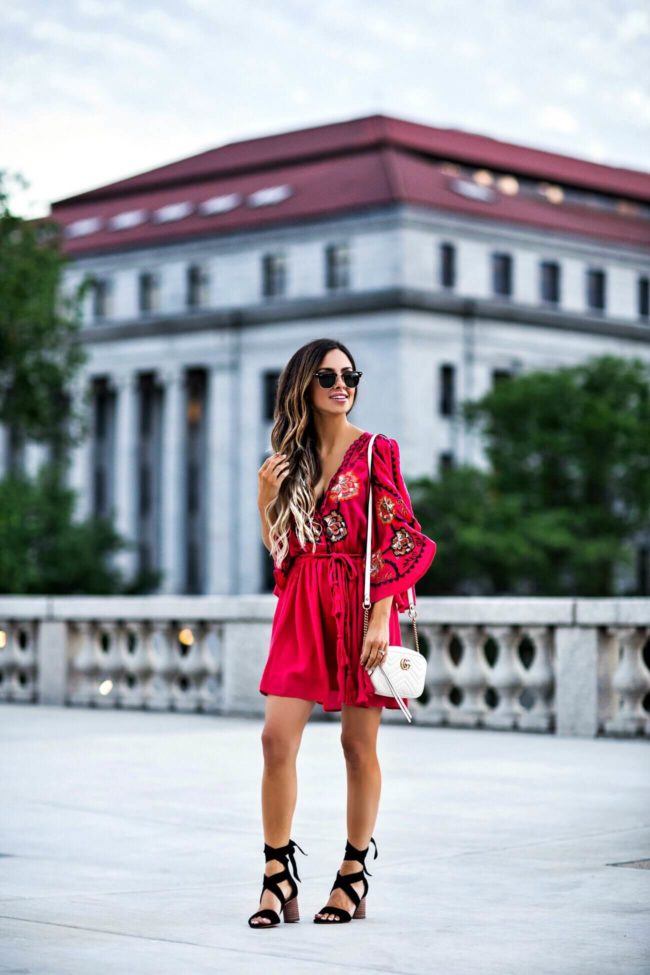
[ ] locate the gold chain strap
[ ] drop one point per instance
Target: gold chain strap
(412, 616)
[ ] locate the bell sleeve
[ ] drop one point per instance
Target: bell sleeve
(280, 573)
(400, 552)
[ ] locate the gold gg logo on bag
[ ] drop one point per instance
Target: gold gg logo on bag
(404, 663)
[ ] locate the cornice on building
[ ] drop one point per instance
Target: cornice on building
(285, 310)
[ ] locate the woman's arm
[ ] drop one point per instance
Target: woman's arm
(265, 527)
(381, 609)
(377, 637)
(269, 478)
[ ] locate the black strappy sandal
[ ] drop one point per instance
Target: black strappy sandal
(288, 904)
(345, 881)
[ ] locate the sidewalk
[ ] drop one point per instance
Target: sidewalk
(131, 844)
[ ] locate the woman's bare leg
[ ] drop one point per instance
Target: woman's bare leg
(284, 724)
(359, 740)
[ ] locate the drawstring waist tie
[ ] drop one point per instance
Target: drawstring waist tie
(343, 567)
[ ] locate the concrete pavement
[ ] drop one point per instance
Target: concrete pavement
(131, 844)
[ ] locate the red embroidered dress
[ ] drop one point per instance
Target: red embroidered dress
(317, 632)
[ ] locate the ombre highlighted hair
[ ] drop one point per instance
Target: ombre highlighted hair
(294, 434)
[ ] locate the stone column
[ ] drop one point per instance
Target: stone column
(52, 662)
(220, 510)
(35, 455)
(4, 449)
(173, 479)
(125, 485)
(576, 674)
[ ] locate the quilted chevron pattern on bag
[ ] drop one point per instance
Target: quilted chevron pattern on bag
(406, 669)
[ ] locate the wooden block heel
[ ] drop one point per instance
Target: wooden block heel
(290, 910)
(360, 912)
(345, 881)
(288, 902)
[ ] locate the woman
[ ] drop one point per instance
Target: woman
(313, 503)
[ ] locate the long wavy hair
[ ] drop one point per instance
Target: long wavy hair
(294, 434)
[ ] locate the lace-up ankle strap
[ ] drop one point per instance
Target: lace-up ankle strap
(282, 852)
(352, 853)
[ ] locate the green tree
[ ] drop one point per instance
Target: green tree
(42, 549)
(39, 354)
(566, 495)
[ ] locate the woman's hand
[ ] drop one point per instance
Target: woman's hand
(269, 477)
(377, 637)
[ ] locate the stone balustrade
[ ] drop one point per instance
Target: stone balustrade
(565, 666)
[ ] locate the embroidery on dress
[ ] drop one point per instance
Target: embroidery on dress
(386, 509)
(335, 526)
(402, 543)
(345, 486)
(376, 563)
(390, 507)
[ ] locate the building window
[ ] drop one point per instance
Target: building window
(195, 480)
(447, 266)
(502, 274)
(269, 388)
(101, 411)
(101, 299)
(500, 375)
(193, 497)
(144, 483)
(274, 275)
(643, 297)
(445, 460)
(595, 289)
(196, 286)
(447, 395)
(337, 267)
(148, 471)
(144, 555)
(549, 282)
(99, 499)
(148, 292)
(192, 557)
(102, 445)
(147, 406)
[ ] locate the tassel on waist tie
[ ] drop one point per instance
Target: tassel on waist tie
(343, 566)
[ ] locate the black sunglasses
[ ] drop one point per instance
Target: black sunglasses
(327, 379)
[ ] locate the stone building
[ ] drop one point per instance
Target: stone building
(445, 260)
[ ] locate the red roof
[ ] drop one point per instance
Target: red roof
(354, 165)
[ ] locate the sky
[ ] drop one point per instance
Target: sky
(92, 91)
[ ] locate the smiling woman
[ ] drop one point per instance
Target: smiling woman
(313, 501)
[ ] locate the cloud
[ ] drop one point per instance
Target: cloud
(555, 118)
(636, 105)
(634, 24)
(467, 48)
(100, 8)
(107, 45)
(135, 86)
(575, 84)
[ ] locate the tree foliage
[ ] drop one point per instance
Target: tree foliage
(566, 495)
(43, 550)
(39, 326)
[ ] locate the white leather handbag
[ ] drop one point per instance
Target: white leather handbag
(403, 670)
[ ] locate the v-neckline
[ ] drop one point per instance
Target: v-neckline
(318, 502)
